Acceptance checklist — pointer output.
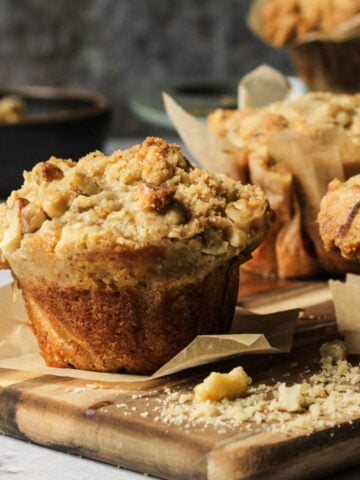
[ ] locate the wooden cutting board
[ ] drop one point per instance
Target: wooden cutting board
(119, 424)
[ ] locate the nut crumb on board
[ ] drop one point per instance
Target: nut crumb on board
(315, 403)
(223, 385)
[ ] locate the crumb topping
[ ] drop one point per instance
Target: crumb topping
(133, 198)
(309, 113)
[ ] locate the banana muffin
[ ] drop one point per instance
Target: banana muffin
(293, 247)
(123, 259)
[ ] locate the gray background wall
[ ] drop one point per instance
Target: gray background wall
(119, 47)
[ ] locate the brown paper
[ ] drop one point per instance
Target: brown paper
(344, 31)
(211, 151)
(251, 334)
(346, 300)
(313, 162)
(262, 86)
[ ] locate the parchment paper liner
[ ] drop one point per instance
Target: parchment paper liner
(343, 31)
(346, 300)
(251, 333)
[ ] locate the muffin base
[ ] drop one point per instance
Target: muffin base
(136, 330)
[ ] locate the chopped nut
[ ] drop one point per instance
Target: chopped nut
(56, 204)
(217, 386)
(13, 234)
(156, 197)
(31, 217)
(47, 172)
(84, 184)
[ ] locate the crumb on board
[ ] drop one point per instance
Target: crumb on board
(315, 403)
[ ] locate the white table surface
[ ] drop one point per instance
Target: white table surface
(25, 461)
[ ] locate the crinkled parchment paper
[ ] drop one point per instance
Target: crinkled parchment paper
(251, 333)
(346, 300)
(262, 86)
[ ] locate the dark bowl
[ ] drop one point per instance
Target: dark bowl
(62, 122)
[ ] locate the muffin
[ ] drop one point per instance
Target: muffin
(322, 37)
(123, 259)
(264, 142)
(339, 219)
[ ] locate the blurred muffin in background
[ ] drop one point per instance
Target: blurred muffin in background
(292, 149)
(323, 38)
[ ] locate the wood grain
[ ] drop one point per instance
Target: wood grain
(118, 423)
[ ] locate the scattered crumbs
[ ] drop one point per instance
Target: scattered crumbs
(144, 414)
(315, 403)
(121, 405)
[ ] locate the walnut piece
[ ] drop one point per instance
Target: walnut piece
(156, 196)
(47, 172)
(218, 386)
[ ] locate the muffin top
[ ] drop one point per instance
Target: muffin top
(128, 201)
(289, 22)
(308, 113)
